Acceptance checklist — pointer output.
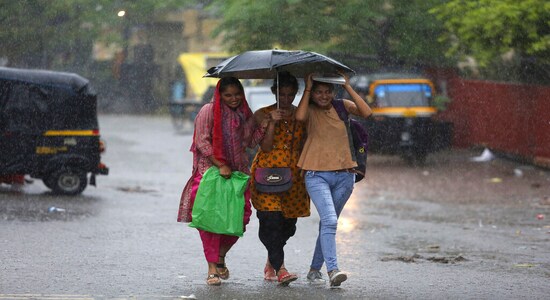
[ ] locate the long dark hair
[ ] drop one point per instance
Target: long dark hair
(285, 80)
(227, 81)
(318, 83)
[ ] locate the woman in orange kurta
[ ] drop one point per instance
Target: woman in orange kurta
(280, 147)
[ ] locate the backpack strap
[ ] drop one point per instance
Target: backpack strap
(340, 108)
(338, 105)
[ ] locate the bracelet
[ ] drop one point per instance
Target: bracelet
(307, 91)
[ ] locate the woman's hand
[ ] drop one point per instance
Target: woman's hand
(308, 81)
(301, 111)
(361, 107)
(270, 118)
(346, 78)
(277, 114)
(225, 171)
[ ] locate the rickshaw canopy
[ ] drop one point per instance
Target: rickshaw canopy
(38, 101)
(194, 67)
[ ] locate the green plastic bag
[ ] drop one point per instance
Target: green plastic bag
(219, 204)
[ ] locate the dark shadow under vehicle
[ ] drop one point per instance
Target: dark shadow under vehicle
(49, 129)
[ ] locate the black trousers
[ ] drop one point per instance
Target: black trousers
(274, 231)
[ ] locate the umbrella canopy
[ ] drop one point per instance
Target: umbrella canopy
(265, 64)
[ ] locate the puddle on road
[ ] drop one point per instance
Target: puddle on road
(418, 258)
(47, 207)
(42, 215)
(135, 189)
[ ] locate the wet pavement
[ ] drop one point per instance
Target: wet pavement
(450, 229)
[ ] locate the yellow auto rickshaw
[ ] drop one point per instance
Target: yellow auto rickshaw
(190, 91)
(403, 120)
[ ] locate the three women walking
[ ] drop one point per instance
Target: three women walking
(320, 162)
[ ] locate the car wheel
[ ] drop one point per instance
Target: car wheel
(67, 181)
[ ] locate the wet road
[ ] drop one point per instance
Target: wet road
(451, 229)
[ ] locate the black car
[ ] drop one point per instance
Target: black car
(49, 129)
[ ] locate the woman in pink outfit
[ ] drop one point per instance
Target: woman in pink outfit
(224, 128)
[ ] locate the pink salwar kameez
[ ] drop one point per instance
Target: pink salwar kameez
(239, 133)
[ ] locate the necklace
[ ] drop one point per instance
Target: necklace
(285, 125)
(284, 130)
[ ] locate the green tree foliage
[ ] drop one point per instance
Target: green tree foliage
(384, 32)
(30, 27)
(486, 29)
(37, 33)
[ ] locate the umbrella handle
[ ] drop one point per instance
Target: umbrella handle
(277, 100)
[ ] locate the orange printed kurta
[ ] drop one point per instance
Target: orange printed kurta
(295, 202)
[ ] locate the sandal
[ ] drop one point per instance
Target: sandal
(285, 278)
(213, 279)
(223, 271)
(269, 273)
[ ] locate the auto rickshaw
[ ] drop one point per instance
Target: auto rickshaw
(190, 90)
(49, 129)
(403, 120)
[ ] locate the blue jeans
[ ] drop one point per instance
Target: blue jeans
(329, 191)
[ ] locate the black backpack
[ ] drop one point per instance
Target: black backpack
(358, 139)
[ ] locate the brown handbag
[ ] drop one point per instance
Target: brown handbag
(274, 179)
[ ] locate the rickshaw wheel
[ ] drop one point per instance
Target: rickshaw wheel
(67, 181)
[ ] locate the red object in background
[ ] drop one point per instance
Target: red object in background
(12, 179)
(540, 217)
(504, 117)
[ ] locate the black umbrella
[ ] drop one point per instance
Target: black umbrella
(265, 64)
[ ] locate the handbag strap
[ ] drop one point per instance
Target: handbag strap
(291, 142)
